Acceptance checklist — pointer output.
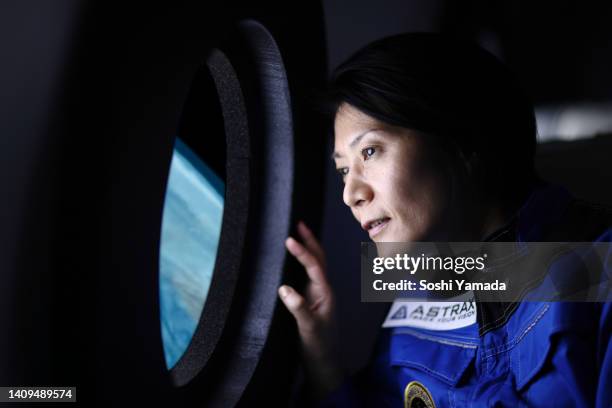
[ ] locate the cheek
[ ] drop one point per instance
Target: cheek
(419, 200)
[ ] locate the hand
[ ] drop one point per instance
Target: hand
(314, 313)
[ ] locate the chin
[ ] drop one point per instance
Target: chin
(390, 249)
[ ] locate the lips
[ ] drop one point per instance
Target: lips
(376, 225)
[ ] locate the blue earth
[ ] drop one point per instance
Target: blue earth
(191, 227)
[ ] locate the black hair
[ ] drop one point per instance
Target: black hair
(449, 88)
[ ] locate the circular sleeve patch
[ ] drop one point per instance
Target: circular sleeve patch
(417, 396)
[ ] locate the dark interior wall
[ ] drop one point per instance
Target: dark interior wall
(68, 86)
(36, 43)
(352, 24)
(91, 100)
(560, 52)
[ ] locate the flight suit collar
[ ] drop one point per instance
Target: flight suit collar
(544, 207)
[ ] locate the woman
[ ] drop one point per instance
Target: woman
(434, 142)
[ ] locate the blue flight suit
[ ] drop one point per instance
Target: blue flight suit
(531, 354)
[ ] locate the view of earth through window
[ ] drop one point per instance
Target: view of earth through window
(191, 228)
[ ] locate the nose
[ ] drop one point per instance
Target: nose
(357, 191)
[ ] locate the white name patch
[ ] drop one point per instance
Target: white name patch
(431, 315)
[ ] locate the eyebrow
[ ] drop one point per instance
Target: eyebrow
(336, 155)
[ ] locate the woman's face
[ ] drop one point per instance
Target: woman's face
(397, 185)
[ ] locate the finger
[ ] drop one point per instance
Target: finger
(311, 242)
(313, 267)
(297, 306)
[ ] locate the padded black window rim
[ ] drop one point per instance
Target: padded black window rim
(253, 90)
(231, 240)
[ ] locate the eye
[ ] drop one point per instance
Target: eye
(342, 171)
(368, 152)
